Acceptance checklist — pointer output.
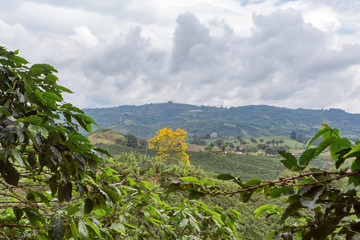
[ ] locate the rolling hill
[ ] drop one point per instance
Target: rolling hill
(245, 121)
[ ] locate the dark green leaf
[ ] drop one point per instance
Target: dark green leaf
(225, 177)
(88, 205)
(278, 192)
(58, 227)
(290, 161)
(35, 218)
(31, 159)
(18, 213)
(9, 173)
(52, 96)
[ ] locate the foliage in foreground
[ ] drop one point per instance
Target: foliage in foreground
(319, 207)
(53, 184)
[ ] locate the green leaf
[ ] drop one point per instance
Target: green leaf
(51, 78)
(183, 224)
(129, 226)
(278, 192)
(74, 230)
(4, 111)
(71, 210)
(340, 145)
(292, 208)
(118, 227)
(253, 182)
(89, 205)
(307, 156)
(173, 187)
(9, 173)
(94, 228)
(190, 180)
(17, 157)
(311, 195)
(58, 228)
(225, 177)
(290, 161)
(31, 159)
(83, 231)
(35, 218)
(324, 144)
(18, 213)
(64, 89)
(318, 134)
(352, 152)
(195, 195)
(260, 210)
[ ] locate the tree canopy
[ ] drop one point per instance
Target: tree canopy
(171, 145)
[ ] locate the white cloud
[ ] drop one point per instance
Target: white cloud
(287, 53)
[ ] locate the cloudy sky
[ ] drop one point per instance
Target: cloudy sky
(297, 54)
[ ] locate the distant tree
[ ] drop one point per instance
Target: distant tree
(261, 140)
(281, 141)
(269, 151)
(223, 146)
(253, 140)
(293, 135)
(207, 136)
(143, 143)
(237, 148)
(262, 146)
(170, 145)
(208, 148)
(218, 142)
(131, 141)
(121, 140)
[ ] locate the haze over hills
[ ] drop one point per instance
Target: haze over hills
(245, 121)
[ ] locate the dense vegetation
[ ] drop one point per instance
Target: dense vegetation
(247, 121)
(56, 185)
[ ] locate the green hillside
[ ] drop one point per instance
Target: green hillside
(246, 121)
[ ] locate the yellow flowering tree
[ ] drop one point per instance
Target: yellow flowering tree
(170, 145)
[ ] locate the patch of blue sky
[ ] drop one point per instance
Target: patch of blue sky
(345, 31)
(248, 2)
(281, 2)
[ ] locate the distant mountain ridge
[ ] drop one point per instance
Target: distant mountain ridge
(244, 121)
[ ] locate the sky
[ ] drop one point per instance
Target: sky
(295, 54)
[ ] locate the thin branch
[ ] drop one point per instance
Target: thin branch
(2, 233)
(323, 221)
(24, 226)
(282, 180)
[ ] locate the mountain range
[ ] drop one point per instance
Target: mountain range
(244, 121)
